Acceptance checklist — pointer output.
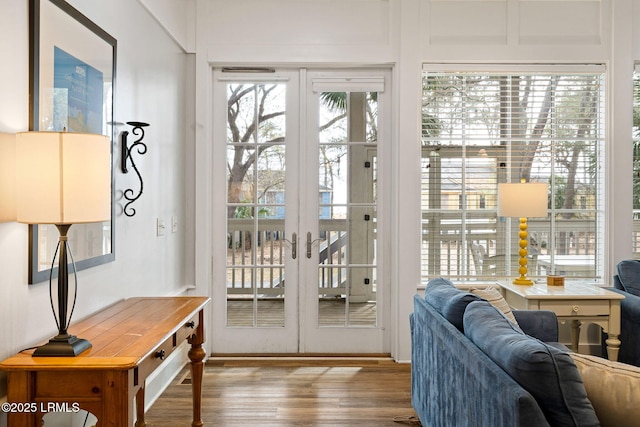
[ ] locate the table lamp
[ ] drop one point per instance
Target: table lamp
(7, 177)
(62, 178)
(523, 200)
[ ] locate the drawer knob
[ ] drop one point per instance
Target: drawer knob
(160, 354)
(191, 324)
(575, 308)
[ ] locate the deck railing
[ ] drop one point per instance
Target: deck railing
(636, 234)
(256, 254)
(476, 246)
(255, 260)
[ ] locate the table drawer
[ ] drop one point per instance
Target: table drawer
(164, 350)
(62, 384)
(577, 308)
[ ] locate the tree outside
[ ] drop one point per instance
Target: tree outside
(544, 127)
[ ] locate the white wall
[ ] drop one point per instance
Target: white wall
(404, 34)
(151, 86)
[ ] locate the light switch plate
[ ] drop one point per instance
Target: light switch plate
(160, 227)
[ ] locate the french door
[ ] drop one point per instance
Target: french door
(296, 157)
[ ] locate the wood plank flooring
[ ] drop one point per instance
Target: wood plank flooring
(292, 391)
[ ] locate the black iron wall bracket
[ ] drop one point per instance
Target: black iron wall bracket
(125, 158)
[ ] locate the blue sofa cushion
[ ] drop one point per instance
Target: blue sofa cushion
(549, 374)
(448, 300)
(629, 275)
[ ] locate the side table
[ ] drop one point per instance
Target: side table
(575, 302)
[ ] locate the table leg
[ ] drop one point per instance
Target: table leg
(575, 335)
(613, 330)
(21, 390)
(613, 346)
(196, 355)
(140, 422)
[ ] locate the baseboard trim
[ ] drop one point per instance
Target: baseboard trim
(299, 360)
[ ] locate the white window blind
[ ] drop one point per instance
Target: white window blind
(483, 128)
(636, 162)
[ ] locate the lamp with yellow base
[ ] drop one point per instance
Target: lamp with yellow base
(523, 200)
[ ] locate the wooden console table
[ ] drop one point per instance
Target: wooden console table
(130, 340)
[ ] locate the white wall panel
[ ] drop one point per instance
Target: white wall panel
(515, 30)
(560, 22)
(635, 28)
(177, 17)
(286, 22)
(533, 22)
(298, 30)
(465, 21)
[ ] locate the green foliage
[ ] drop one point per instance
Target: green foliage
(334, 100)
(559, 184)
(244, 212)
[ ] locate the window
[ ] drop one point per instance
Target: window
(636, 162)
(483, 128)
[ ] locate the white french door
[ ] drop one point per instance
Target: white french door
(298, 219)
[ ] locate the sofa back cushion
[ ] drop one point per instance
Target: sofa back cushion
(493, 296)
(448, 300)
(612, 387)
(549, 374)
(629, 275)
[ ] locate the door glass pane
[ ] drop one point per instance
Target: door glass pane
(347, 209)
(255, 204)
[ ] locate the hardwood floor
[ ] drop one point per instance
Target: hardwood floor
(290, 391)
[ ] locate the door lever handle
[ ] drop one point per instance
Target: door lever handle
(294, 245)
(310, 243)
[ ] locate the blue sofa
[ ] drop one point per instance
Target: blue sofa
(462, 351)
(627, 283)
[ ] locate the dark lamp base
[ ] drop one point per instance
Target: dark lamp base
(63, 345)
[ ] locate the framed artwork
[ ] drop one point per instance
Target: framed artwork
(72, 66)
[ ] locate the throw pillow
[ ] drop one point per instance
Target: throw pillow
(549, 374)
(612, 387)
(448, 300)
(495, 298)
(628, 273)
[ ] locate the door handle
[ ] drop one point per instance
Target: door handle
(294, 245)
(310, 243)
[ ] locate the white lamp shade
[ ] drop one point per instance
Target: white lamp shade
(523, 200)
(7, 177)
(62, 177)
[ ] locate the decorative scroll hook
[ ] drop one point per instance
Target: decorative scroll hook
(129, 195)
